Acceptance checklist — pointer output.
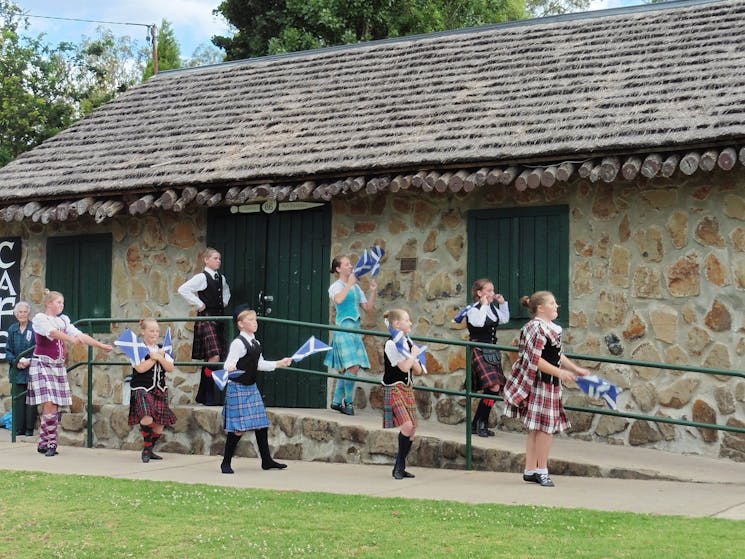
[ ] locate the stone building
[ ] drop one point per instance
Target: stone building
(597, 155)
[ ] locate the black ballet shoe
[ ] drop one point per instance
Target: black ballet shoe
(226, 469)
(273, 466)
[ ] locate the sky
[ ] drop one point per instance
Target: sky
(191, 20)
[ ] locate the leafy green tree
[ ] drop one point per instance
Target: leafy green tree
(104, 66)
(276, 26)
(35, 90)
(169, 52)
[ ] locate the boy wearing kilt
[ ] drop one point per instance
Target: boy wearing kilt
(244, 407)
(148, 405)
(399, 405)
(48, 384)
(533, 391)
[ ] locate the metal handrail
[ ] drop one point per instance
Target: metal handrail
(468, 392)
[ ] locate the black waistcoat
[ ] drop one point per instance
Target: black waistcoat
(488, 332)
(249, 362)
(211, 296)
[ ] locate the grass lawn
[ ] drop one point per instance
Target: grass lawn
(49, 516)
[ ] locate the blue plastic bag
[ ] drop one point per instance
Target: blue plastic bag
(6, 421)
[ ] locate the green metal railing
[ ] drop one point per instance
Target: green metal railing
(467, 393)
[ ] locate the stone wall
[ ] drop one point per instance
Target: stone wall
(657, 273)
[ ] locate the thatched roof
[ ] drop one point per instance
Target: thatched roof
(655, 79)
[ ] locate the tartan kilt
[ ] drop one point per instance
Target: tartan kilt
(153, 403)
(542, 410)
(244, 408)
(347, 350)
(209, 340)
(48, 382)
(489, 374)
(399, 405)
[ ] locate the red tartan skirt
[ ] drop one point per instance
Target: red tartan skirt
(153, 403)
(489, 374)
(209, 340)
(399, 405)
(543, 409)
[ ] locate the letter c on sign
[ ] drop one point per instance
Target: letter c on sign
(9, 246)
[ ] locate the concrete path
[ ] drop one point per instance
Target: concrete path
(713, 488)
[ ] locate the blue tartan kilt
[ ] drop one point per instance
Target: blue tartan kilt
(347, 349)
(244, 408)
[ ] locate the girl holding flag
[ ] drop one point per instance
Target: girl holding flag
(48, 383)
(533, 391)
(399, 405)
(488, 310)
(348, 351)
(148, 405)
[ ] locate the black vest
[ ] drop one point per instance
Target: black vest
(393, 374)
(249, 362)
(552, 354)
(211, 296)
(487, 333)
(153, 377)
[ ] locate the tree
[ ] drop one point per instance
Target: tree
(35, 90)
(105, 66)
(204, 55)
(169, 52)
(276, 26)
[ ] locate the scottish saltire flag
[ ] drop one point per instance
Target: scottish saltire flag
(168, 343)
(376, 253)
(221, 377)
(596, 387)
(132, 347)
(364, 265)
(313, 345)
(462, 314)
(402, 345)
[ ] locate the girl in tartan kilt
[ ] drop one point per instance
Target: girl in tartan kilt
(348, 353)
(533, 391)
(244, 407)
(399, 405)
(48, 384)
(488, 311)
(148, 405)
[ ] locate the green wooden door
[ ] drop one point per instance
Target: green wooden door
(278, 263)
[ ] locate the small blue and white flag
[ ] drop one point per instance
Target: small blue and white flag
(364, 265)
(221, 376)
(313, 345)
(462, 314)
(132, 347)
(168, 343)
(599, 388)
(402, 345)
(376, 254)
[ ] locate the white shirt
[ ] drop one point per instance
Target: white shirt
(189, 289)
(238, 350)
(477, 316)
(44, 324)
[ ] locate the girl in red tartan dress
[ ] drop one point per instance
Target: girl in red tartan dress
(533, 391)
(399, 405)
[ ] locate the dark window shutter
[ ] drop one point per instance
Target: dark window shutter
(522, 250)
(79, 267)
